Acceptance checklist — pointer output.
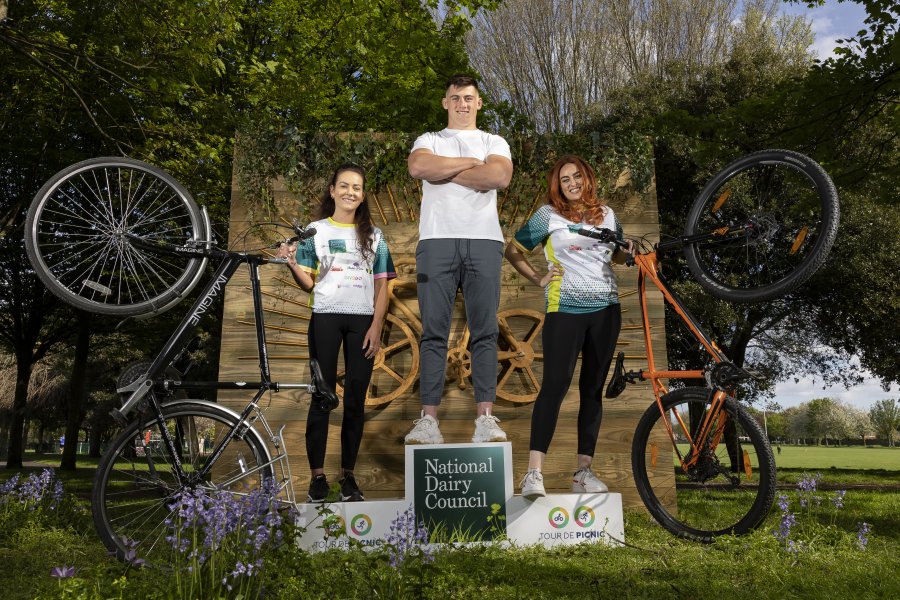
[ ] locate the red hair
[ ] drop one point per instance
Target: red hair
(594, 209)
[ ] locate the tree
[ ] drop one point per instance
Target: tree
(170, 82)
(701, 117)
(885, 418)
(826, 418)
(858, 422)
(30, 326)
(559, 62)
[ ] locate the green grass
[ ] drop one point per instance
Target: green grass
(655, 564)
(838, 457)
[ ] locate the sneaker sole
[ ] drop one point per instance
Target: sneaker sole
(580, 489)
(534, 495)
(495, 439)
(423, 442)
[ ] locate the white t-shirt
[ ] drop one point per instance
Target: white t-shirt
(345, 281)
(450, 210)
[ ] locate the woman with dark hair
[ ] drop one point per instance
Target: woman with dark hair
(583, 315)
(348, 263)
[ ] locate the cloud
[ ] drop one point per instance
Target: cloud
(821, 25)
(789, 393)
(824, 46)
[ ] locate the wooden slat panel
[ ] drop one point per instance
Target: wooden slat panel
(380, 466)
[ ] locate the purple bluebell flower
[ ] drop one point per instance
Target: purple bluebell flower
(788, 520)
(62, 572)
(809, 483)
(838, 499)
(862, 535)
(38, 490)
(9, 485)
(225, 524)
(407, 539)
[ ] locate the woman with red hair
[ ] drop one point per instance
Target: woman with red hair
(583, 315)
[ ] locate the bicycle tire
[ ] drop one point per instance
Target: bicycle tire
(792, 209)
(75, 237)
(715, 499)
(130, 505)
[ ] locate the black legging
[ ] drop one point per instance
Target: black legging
(566, 335)
(327, 331)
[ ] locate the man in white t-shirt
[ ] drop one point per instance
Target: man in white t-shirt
(460, 246)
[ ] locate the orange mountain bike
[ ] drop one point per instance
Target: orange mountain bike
(759, 229)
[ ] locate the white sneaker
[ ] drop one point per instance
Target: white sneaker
(533, 484)
(487, 430)
(584, 481)
(425, 431)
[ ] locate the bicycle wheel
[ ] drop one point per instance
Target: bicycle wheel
(135, 481)
(395, 367)
(771, 217)
(75, 237)
(730, 489)
(520, 355)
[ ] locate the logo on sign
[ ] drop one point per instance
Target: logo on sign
(334, 525)
(361, 524)
(584, 516)
(558, 517)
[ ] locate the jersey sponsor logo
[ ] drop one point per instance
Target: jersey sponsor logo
(337, 246)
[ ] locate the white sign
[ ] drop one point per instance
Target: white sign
(566, 519)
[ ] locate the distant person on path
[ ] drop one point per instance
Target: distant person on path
(348, 263)
(460, 246)
(583, 315)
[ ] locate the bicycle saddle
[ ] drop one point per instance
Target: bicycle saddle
(617, 383)
(323, 394)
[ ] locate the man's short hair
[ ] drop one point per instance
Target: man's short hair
(460, 81)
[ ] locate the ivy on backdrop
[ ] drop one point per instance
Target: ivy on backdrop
(306, 158)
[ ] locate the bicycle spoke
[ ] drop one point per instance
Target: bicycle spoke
(76, 228)
(769, 223)
(723, 482)
(136, 481)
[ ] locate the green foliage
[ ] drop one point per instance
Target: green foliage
(885, 417)
(843, 114)
(653, 564)
(306, 158)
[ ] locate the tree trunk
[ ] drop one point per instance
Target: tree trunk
(3, 10)
(16, 447)
(77, 393)
(96, 439)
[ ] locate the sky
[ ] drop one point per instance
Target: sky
(835, 20)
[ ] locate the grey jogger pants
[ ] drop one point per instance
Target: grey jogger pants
(442, 267)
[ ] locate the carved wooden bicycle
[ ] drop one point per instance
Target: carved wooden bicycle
(519, 354)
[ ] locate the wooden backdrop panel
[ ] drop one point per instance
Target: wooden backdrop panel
(380, 467)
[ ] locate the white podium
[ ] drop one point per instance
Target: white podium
(464, 493)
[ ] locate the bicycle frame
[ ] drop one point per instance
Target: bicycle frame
(648, 265)
(146, 389)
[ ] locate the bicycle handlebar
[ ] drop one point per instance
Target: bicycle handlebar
(608, 236)
(302, 234)
(210, 251)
